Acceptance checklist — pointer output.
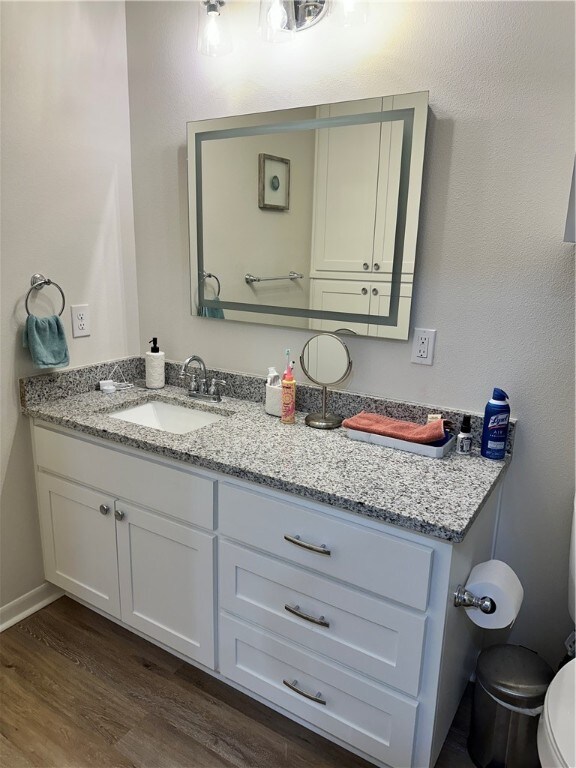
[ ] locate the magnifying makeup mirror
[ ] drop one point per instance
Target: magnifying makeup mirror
(326, 361)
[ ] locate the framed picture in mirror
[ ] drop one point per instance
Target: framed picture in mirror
(273, 182)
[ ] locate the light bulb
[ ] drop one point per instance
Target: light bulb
(277, 17)
(212, 33)
(213, 37)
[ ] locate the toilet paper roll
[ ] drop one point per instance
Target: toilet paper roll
(498, 581)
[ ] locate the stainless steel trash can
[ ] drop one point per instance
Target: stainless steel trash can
(511, 683)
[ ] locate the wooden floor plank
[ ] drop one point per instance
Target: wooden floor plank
(46, 735)
(87, 700)
(157, 743)
(11, 756)
(102, 630)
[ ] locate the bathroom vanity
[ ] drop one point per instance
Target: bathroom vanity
(310, 571)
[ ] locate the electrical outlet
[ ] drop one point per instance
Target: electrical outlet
(80, 320)
(423, 346)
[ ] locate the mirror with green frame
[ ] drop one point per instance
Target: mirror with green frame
(308, 217)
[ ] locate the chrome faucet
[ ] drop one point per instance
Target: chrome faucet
(198, 386)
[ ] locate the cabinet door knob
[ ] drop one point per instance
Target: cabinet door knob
(376, 267)
(366, 266)
(118, 514)
(374, 291)
(104, 509)
(364, 291)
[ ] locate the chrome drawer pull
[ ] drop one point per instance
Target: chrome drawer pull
(293, 685)
(321, 621)
(321, 550)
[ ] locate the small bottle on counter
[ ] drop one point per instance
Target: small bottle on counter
(464, 439)
(288, 393)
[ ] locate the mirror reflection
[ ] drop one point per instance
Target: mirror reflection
(308, 217)
(326, 361)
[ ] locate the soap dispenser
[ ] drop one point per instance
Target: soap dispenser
(155, 377)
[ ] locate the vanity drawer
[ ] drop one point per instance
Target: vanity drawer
(379, 562)
(360, 713)
(363, 632)
(178, 493)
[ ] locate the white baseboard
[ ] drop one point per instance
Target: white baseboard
(27, 604)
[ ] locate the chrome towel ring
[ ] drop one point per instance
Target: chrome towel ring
(38, 282)
(209, 274)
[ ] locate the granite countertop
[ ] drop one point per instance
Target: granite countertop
(438, 497)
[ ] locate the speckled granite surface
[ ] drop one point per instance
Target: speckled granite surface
(439, 497)
(35, 390)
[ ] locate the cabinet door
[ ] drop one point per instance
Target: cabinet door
(340, 296)
(345, 190)
(79, 541)
(167, 581)
(380, 306)
(360, 712)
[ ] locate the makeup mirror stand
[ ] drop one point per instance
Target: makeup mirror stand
(323, 420)
(326, 361)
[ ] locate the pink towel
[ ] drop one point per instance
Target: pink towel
(402, 430)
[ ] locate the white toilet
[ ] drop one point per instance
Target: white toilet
(556, 738)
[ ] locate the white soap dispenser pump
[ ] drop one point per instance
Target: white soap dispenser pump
(155, 377)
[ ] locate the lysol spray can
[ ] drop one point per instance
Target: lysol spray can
(496, 422)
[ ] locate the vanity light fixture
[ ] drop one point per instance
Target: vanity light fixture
(280, 19)
(213, 36)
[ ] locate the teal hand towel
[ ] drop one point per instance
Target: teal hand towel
(216, 312)
(44, 337)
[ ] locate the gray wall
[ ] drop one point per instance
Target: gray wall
(493, 276)
(67, 213)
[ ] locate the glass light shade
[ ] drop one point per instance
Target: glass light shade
(214, 37)
(352, 13)
(277, 21)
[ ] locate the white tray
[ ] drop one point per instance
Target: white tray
(433, 451)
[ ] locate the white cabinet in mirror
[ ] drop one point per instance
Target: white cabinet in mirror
(339, 252)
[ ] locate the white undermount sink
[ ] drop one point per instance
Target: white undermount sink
(167, 417)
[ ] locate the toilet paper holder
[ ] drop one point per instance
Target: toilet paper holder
(465, 599)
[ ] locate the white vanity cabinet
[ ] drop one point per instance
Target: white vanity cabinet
(324, 641)
(120, 533)
(343, 623)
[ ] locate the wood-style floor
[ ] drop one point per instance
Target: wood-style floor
(78, 691)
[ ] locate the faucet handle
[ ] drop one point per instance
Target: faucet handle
(215, 385)
(193, 385)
